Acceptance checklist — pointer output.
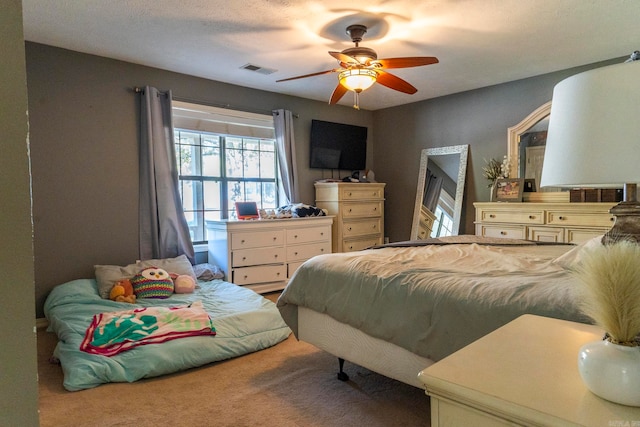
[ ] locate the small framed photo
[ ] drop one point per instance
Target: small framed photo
(508, 190)
(529, 185)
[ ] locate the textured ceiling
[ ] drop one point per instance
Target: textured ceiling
(478, 42)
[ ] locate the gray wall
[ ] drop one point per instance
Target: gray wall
(18, 369)
(479, 118)
(84, 134)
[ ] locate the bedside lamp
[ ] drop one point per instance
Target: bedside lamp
(593, 139)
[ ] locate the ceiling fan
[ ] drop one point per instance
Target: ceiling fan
(360, 68)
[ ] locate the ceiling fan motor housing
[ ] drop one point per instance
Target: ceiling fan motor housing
(361, 52)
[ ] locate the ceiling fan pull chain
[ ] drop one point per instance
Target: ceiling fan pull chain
(356, 97)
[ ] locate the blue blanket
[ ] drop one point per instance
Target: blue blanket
(244, 321)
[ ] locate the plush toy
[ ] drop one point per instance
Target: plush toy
(184, 284)
(152, 282)
(122, 291)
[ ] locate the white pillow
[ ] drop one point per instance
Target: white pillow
(571, 259)
(108, 275)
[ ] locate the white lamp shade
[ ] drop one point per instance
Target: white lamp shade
(594, 132)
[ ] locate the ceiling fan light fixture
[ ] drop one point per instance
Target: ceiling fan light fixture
(357, 79)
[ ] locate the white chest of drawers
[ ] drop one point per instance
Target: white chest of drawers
(263, 254)
(359, 212)
(545, 222)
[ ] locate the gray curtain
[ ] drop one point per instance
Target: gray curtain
(164, 232)
(432, 191)
(285, 147)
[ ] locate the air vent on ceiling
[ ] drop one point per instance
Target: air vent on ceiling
(258, 69)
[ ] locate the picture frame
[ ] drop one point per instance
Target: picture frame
(529, 185)
(247, 210)
(508, 190)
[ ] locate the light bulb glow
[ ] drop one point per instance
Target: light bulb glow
(357, 79)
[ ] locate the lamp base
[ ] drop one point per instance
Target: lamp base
(627, 224)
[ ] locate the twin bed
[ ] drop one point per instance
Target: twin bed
(243, 322)
(394, 310)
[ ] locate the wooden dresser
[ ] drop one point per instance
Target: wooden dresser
(426, 223)
(359, 211)
(264, 254)
(522, 374)
(544, 222)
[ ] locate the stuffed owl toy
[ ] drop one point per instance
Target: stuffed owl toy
(152, 282)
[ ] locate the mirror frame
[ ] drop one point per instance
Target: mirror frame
(514, 132)
(463, 150)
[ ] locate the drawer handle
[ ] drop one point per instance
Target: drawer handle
(322, 233)
(561, 218)
(612, 219)
(278, 273)
(349, 228)
(504, 233)
(295, 236)
(532, 217)
(242, 241)
(349, 209)
(244, 258)
(375, 209)
(492, 216)
(295, 253)
(274, 238)
(275, 256)
(322, 250)
(245, 276)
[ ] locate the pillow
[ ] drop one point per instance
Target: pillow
(152, 282)
(108, 275)
(300, 210)
(208, 272)
(571, 259)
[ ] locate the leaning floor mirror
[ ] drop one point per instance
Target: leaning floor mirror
(438, 205)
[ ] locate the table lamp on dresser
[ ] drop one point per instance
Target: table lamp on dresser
(594, 139)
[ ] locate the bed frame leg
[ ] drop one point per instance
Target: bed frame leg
(342, 376)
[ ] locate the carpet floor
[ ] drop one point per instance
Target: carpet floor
(290, 384)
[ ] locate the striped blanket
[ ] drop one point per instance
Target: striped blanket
(114, 332)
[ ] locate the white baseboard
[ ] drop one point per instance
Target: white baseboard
(42, 323)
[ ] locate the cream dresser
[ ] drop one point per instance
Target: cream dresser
(264, 254)
(525, 374)
(359, 211)
(544, 222)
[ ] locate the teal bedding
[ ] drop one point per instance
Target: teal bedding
(244, 321)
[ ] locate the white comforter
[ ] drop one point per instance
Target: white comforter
(434, 300)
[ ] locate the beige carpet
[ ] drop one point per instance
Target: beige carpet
(290, 384)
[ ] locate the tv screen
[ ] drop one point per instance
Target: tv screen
(338, 146)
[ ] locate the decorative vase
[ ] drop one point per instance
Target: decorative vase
(611, 371)
(491, 190)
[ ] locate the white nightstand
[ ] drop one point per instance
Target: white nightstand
(525, 373)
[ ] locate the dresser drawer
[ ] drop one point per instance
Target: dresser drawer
(564, 218)
(361, 193)
(519, 216)
(359, 244)
(304, 252)
(362, 209)
(305, 235)
(504, 231)
(259, 256)
(546, 234)
(259, 274)
(581, 235)
(361, 228)
(257, 239)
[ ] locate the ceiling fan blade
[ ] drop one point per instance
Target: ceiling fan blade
(337, 94)
(344, 59)
(395, 83)
(309, 75)
(415, 61)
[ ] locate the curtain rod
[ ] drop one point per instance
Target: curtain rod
(214, 104)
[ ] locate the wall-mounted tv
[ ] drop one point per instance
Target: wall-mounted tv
(338, 146)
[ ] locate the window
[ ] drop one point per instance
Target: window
(443, 224)
(223, 156)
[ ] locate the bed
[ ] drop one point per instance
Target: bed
(243, 322)
(398, 308)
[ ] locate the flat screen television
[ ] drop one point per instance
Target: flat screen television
(338, 146)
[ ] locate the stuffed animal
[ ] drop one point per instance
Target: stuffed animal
(184, 284)
(122, 291)
(152, 282)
